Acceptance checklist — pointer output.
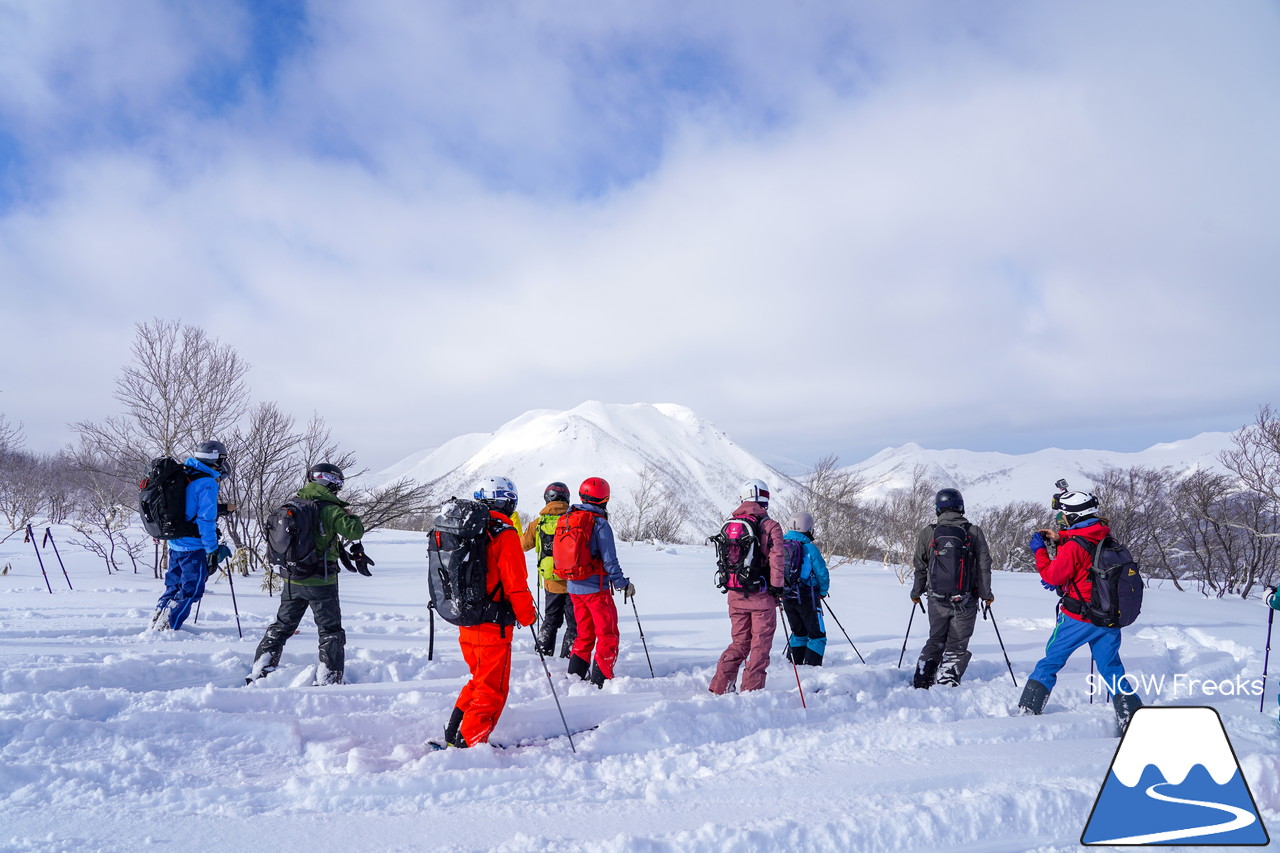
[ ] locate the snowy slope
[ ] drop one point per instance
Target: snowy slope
(697, 461)
(993, 478)
(112, 739)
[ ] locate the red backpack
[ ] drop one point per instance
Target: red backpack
(571, 547)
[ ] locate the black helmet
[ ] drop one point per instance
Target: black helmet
(948, 499)
(213, 454)
(329, 476)
(556, 492)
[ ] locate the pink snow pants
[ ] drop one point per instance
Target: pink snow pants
(753, 619)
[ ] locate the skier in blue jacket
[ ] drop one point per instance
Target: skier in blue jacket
(193, 558)
(802, 601)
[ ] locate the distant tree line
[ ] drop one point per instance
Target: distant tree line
(180, 388)
(1217, 533)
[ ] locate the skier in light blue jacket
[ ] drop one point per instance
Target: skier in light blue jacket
(802, 601)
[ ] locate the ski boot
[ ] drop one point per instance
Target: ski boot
(1034, 697)
(1125, 704)
(926, 672)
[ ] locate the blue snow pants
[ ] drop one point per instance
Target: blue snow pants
(1070, 634)
(183, 585)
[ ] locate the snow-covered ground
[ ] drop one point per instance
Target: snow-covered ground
(112, 738)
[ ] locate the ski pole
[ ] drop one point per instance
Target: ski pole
(786, 629)
(846, 633)
(234, 606)
(31, 537)
(48, 538)
(904, 639)
(986, 609)
(552, 684)
(1090, 679)
(1266, 659)
(431, 629)
(642, 642)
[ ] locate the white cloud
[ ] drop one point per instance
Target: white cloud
(871, 226)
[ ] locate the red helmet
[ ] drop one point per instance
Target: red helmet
(594, 490)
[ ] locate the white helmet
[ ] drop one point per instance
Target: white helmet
(755, 491)
(497, 492)
(1077, 505)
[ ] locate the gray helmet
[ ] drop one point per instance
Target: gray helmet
(213, 454)
(803, 522)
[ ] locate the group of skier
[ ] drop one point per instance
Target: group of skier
(762, 569)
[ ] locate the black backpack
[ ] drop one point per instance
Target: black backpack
(291, 530)
(793, 566)
(951, 563)
(1116, 599)
(740, 562)
(457, 568)
(162, 499)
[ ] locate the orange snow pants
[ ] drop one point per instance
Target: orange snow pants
(482, 699)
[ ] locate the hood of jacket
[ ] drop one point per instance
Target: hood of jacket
(195, 463)
(752, 509)
(555, 508)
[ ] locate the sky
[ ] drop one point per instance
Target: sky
(828, 227)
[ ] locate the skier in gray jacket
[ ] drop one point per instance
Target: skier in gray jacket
(953, 564)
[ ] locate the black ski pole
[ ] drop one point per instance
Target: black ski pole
(155, 565)
(48, 538)
(1266, 659)
(234, 606)
(986, 609)
(1090, 679)
(552, 684)
(846, 633)
(431, 629)
(786, 629)
(31, 537)
(642, 642)
(904, 639)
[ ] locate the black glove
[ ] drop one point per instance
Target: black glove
(211, 563)
(361, 559)
(777, 591)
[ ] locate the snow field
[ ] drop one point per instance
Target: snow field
(115, 738)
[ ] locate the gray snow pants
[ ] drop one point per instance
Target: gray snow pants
(327, 612)
(950, 627)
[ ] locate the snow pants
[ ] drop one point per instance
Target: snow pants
(327, 612)
(485, 695)
(950, 627)
(752, 621)
(183, 585)
(1070, 634)
(559, 610)
(808, 629)
(597, 626)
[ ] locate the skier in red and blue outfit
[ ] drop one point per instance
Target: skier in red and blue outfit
(592, 597)
(1068, 572)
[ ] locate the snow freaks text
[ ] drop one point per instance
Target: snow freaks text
(1178, 684)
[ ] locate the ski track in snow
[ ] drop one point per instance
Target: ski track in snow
(115, 738)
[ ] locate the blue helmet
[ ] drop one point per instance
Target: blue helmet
(948, 499)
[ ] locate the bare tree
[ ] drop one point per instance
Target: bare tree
(899, 517)
(652, 512)
(182, 387)
(832, 495)
(1138, 505)
(1006, 528)
(1256, 458)
(392, 504)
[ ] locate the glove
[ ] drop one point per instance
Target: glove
(362, 560)
(990, 601)
(1036, 542)
(1048, 586)
(915, 599)
(223, 553)
(628, 591)
(777, 591)
(1274, 599)
(211, 564)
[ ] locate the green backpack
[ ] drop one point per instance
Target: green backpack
(546, 537)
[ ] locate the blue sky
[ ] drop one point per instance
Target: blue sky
(828, 226)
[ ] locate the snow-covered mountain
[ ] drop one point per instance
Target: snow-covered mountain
(996, 478)
(700, 465)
